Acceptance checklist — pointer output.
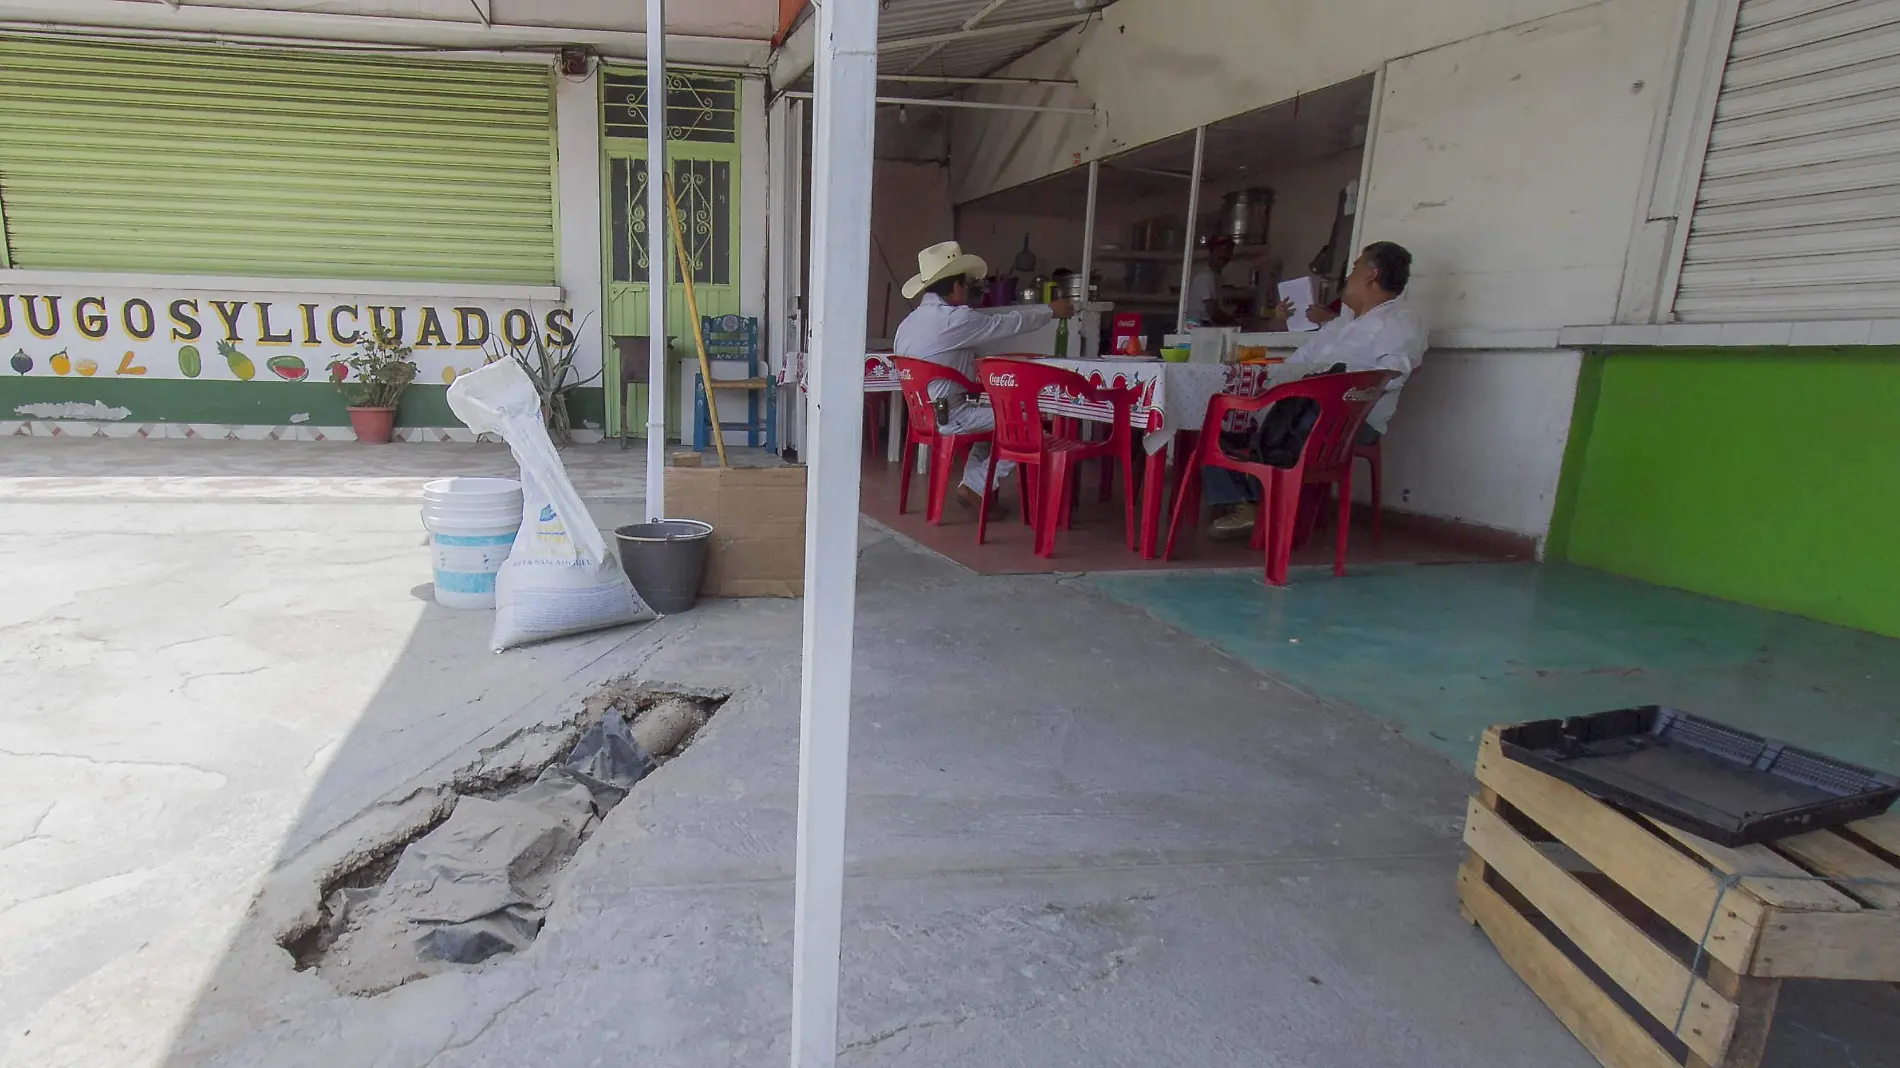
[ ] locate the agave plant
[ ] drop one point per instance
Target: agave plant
(548, 366)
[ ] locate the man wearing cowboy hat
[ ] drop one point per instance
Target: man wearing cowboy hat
(944, 329)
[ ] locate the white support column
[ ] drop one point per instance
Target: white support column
(658, 263)
(797, 325)
(780, 220)
(841, 264)
(1193, 224)
(1088, 227)
(577, 140)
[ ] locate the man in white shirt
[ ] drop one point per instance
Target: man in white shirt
(1206, 303)
(1375, 330)
(944, 329)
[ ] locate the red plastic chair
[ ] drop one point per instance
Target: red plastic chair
(1048, 460)
(1370, 454)
(947, 451)
(1344, 402)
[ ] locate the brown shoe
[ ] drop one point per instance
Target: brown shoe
(970, 500)
(1236, 524)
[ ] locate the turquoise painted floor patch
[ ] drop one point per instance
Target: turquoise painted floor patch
(1443, 652)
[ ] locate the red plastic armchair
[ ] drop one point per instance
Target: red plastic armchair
(947, 451)
(1344, 402)
(1049, 460)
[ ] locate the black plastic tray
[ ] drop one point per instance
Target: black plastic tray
(1709, 779)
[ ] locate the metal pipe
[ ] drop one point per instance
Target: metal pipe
(946, 79)
(1088, 228)
(656, 261)
(847, 52)
(1193, 221)
(979, 105)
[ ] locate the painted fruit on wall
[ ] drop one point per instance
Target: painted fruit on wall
(61, 362)
(288, 368)
(241, 365)
(189, 362)
(21, 362)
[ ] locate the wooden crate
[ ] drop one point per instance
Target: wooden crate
(1600, 912)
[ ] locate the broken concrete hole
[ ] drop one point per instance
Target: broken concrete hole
(477, 882)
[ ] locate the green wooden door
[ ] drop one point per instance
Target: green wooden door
(702, 119)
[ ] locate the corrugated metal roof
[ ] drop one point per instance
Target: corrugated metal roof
(902, 20)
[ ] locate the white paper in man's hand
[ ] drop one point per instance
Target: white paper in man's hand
(1299, 292)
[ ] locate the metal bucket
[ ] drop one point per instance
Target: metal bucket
(666, 561)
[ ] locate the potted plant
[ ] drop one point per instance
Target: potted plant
(372, 382)
(548, 366)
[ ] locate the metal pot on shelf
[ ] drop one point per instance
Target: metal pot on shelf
(1030, 292)
(1246, 215)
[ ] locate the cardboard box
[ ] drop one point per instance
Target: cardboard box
(758, 519)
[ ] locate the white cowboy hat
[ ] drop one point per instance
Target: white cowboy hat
(939, 262)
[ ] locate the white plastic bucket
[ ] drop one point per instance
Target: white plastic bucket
(472, 524)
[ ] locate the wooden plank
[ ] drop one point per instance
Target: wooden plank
(1488, 799)
(1800, 894)
(1676, 887)
(1604, 1029)
(1827, 853)
(1882, 831)
(1862, 945)
(1755, 1001)
(1646, 971)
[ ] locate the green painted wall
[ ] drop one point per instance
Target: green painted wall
(1767, 476)
(247, 403)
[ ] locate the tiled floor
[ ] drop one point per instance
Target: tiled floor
(1443, 652)
(1096, 543)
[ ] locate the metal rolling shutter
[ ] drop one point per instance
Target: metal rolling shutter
(1798, 213)
(278, 163)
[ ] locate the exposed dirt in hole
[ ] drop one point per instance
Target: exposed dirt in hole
(476, 881)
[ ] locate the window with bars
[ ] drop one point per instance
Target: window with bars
(703, 191)
(699, 108)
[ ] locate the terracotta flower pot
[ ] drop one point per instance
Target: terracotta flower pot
(373, 426)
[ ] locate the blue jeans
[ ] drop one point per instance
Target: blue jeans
(1221, 488)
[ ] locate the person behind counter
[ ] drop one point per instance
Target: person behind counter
(1207, 303)
(945, 330)
(1375, 329)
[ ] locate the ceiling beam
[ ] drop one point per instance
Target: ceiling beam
(946, 79)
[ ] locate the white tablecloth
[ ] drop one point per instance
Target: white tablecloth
(1171, 396)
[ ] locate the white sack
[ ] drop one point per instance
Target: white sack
(560, 577)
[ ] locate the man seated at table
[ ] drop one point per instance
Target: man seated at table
(944, 329)
(1376, 329)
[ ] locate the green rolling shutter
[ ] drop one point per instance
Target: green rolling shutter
(275, 163)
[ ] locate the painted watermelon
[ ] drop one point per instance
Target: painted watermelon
(288, 368)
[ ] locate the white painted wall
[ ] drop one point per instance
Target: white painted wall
(1479, 437)
(1511, 164)
(577, 192)
(1159, 67)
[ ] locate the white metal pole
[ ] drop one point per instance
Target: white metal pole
(841, 264)
(1193, 224)
(657, 261)
(1088, 228)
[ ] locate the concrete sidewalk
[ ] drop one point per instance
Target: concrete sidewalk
(1078, 837)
